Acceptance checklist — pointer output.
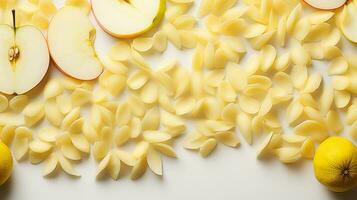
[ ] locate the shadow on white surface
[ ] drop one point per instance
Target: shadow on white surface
(350, 195)
(5, 190)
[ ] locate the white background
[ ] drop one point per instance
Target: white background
(226, 174)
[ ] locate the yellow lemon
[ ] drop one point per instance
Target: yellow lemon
(5, 163)
(335, 164)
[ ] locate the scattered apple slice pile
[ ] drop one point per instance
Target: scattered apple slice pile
(128, 18)
(70, 39)
(326, 4)
(24, 58)
(349, 22)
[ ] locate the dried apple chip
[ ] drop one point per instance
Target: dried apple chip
(244, 123)
(299, 75)
(33, 112)
(172, 34)
(151, 120)
(4, 103)
(194, 140)
(312, 83)
(70, 152)
(342, 98)
(136, 105)
(293, 139)
(100, 150)
(156, 136)
(64, 103)
(294, 111)
(316, 130)
(228, 138)
(7, 134)
(260, 41)
(333, 122)
(338, 66)
(48, 134)
(184, 105)
(165, 149)
(53, 113)
(207, 147)
(308, 149)
(138, 169)
(265, 145)
(52, 89)
(249, 104)
(236, 76)
(143, 44)
(326, 98)
(18, 103)
(123, 114)
(66, 165)
(149, 93)
(122, 135)
(205, 7)
(70, 118)
(21, 142)
(288, 154)
(267, 56)
(39, 146)
(160, 41)
(281, 31)
(351, 115)
(50, 165)
(154, 161)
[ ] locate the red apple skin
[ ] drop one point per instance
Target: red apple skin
(304, 1)
(59, 67)
(117, 35)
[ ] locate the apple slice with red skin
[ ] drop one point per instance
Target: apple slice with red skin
(71, 43)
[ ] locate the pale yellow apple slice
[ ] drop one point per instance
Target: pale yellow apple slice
(349, 22)
(326, 4)
(128, 18)
(23, 72)
(70, 40)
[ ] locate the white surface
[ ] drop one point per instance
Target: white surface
(226, 174)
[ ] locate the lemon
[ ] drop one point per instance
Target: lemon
(5, 163)
(335, 164)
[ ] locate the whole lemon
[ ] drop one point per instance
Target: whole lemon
(335, 164)
(5, 163)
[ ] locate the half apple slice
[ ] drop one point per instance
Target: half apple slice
(24, 58)
(71, 43)
(128, 18)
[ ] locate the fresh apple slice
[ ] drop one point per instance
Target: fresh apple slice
(128, 18)
(326, 4)
(24, 58)
(71, 43)
(349, 22)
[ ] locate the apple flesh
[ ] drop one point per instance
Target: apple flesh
(326, 4)
(128, 18)
(349, 22)
(24, 58)
(71, 43)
